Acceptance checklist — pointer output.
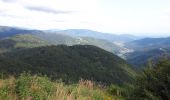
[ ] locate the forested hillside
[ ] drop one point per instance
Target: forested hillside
(69, 63)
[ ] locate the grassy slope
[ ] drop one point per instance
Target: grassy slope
(28, 41)
(28, 87)
(21, 41)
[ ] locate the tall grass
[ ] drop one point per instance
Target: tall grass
(27, 87)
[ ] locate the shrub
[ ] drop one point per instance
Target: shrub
(154, 83)
(23, 85)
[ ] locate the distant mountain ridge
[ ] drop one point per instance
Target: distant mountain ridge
(98, 35)
(9, 31)
(6, 31)
(149, 43)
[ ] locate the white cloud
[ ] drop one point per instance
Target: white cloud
(81, 12)
(102, 15)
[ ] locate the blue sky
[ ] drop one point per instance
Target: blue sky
(138, 17)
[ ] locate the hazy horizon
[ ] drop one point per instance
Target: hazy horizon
(135, 17)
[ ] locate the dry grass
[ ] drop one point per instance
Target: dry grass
(41, 88)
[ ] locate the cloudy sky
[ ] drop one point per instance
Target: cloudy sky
(151, 17)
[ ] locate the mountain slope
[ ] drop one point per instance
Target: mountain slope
(106, 45)
(42, 39)
(57, 39)
(6, 31)
(140, 58)
(54, 38)
(149, 43)
(69, 63)
(148, 49)
(21, 41)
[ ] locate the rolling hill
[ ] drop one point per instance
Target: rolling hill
(69, 63)
(21, 41)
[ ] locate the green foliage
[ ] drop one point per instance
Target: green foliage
(23, 85)
(154, 83)
(4, 92)
(115, 90)
(36, 87)
(123, 91)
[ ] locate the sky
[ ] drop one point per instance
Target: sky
(136, 17)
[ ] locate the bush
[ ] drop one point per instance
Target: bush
(154, 83)
(23, 85)
(115, 90)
